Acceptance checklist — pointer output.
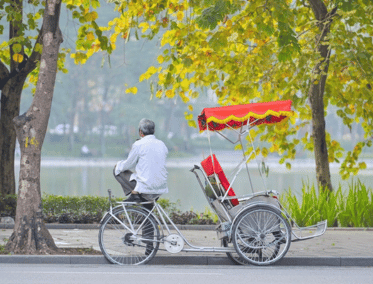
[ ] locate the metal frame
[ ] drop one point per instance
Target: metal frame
(298, 233)
(163, 224)
(244, 130)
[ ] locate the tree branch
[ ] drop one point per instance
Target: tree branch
(319, 9)
(24, 68)
(35, 55)
(4, 73)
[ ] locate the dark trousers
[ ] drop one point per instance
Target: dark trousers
(124, 180)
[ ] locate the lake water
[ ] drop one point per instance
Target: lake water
(93, 177)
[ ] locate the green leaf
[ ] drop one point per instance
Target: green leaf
(218, 40)
(211, 16)
(188, 62)
(345, 5)
(284, 55)
(269, 30)
(17, 48)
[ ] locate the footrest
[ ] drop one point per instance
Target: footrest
(305, 233)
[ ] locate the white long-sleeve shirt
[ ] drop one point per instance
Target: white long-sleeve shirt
(148, 157)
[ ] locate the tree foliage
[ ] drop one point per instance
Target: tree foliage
(258, 50)
(20, 60)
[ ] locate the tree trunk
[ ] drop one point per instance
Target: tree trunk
(10, 104)
(316, 95)
(30, 235)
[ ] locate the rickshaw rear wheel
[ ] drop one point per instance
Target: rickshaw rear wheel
(234, 257)
(261, 235)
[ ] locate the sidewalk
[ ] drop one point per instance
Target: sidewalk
(337, 247)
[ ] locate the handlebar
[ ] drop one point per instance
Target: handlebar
(194, 168)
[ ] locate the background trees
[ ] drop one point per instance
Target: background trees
(313, 52)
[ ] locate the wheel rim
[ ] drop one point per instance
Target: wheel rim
(261, 236)
(234, 257)
(129, 247)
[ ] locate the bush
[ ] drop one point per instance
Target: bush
(353, 209)
(75, 209)
(90, 209)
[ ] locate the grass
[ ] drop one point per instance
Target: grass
(354, 209)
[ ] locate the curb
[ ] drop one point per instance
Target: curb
(180, 227)
(186, 260)
(97, 226)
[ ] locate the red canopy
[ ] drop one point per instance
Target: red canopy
(218, 118)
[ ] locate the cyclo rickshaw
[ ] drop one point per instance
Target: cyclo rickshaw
(253, 228)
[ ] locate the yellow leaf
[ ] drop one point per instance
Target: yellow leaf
(185, 99)
(170, 94)
(94, 15)
(180, 16)
(144, 27)
(192, 123)
(160, 59)
(190, 107)
(132, 90)
(18, 57)
(185, 84)
(142, 77)
(161, 77)
(90, 36)
(159, 94)
(113, 37)
(150, 72)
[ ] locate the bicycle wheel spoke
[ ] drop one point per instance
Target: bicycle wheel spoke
(121, 245)
(261, 235)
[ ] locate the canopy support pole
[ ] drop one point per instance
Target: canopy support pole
(247, 169)
(260, 171)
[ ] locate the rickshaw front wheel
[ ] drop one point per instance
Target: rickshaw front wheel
(261, 235)
(129, 237)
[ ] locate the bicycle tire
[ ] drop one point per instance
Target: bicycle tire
(261, 235)
(127, 246)
(233, 257)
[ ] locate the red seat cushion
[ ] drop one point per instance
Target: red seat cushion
(210, 168)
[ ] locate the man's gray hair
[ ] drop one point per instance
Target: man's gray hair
(147, 126)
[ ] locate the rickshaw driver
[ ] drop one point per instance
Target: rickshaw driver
(148, 156)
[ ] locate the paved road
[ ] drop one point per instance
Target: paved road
(98, 274)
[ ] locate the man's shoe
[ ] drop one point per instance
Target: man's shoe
(133, 198)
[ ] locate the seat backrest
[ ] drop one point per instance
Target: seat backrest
(210, 168)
